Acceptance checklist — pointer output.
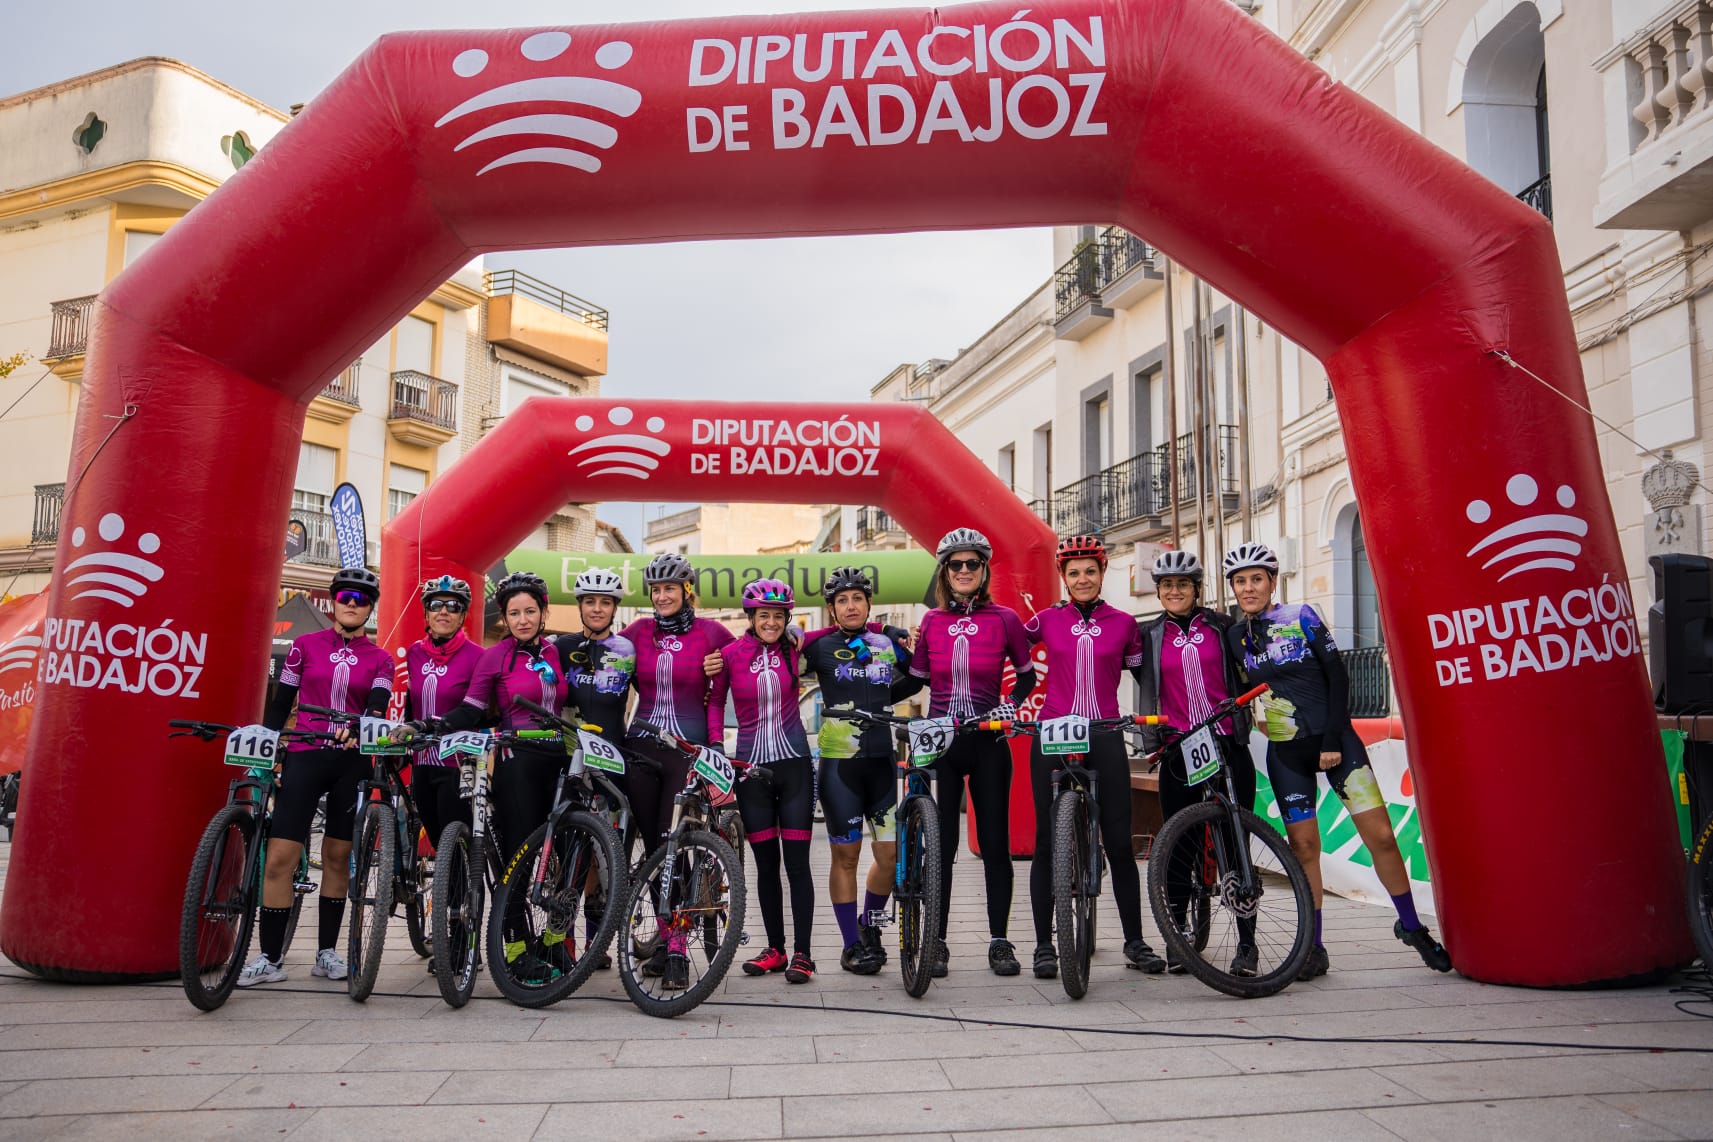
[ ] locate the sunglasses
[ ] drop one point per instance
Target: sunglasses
(353, 599)
(452, 605)
(964, 564)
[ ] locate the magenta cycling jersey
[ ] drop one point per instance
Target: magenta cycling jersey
(504, 672)
(762, 681)
(963, 658)
(1086, 657)
(328, 671)
(437, 678)
(671, 686)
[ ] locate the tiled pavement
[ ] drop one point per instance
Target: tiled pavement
(1140, 1057)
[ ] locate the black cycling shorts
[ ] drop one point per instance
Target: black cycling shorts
(1293, 766)
(858, 789)
(782, 807)
(305, 776)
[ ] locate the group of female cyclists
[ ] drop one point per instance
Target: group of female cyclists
(683, 669)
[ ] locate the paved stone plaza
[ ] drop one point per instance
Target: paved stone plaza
(772, 1061)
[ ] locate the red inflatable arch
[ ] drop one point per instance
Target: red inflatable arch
(1514, 639)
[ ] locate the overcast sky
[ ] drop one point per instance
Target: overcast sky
(822, 316)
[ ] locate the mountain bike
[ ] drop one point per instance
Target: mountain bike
(1247, 934)
(916, 884)
(224, 888)
(1700, 894)
(387, 871)
(570, 867)
(1078, 859)
(689, 892)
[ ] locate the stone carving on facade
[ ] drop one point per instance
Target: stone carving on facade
(1674, 525)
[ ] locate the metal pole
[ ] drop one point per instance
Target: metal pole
(1169, 369)
(1240, 362)
(1215, 465)
(1198, 419)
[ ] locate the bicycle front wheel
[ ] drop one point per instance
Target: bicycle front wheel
(1700, 894)
(456, 922)
(701, 923)
(1267, 915)
(918, 891)
(219, 908)
(546, 892)
(373, 860)
(1072, 906)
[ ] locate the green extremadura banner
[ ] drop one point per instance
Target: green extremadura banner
(899, 576)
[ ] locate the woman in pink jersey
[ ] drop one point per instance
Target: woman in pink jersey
(438, 669)
(1187, 670)
(1090, 644)
(960, 655)
(760, 672)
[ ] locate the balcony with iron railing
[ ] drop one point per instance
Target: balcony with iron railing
(875, 526)
(1108, 272)
(343, 388)
(50, 503)
(320, 542)
(69, 336)
(1370, 681)
(667, 526)
(1659, 110)
(1537, 194)
(1139, 490)
(530, 316)
(423, 410)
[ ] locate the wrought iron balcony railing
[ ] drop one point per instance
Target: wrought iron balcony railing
(343, 388)
(70, 333)
(1538, 194)
(1370, 681)
(424, 399)
(320, 544)
(1096, 265)
(514, 281)
(873, 524)
(50, 502)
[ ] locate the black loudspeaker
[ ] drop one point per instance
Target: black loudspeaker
(1680, 634)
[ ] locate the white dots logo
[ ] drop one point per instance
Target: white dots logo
(1545, 540)
(575, 90)
(113, 575)
(622, 453)
(20, 653)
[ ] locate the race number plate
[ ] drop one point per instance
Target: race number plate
(253, 747)
(929, 738)
(1068, 734)
(599, 753)
(1201, 756)
(716, 769)
(470, 743)
(370, 731)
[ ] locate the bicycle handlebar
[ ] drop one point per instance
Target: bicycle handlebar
(338, 717)
(543, 714)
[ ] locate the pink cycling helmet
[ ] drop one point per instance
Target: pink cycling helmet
(768, 593)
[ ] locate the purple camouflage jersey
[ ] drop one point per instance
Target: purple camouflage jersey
(671, 686)
(438, 678)
(328, 671)
(963, 658)
(504, 672)
(762, 681)
(1086, 658)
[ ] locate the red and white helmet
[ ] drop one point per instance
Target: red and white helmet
(1082, 547)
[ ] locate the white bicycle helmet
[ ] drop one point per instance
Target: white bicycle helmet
(963, 539)
(599, 581)
(1181, 563)
(1247, 555)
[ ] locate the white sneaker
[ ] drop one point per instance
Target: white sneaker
(261, 970)
(328, 963)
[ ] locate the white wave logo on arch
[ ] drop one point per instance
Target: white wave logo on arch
(117, 576)
(580, 91)
(22, 651)
(1545, 541)
(623, 452)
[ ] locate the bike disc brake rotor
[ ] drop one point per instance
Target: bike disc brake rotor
(1238, 900)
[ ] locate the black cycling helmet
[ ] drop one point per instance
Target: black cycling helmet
(520, 583)
(359, 579)
(446, 587)
(847, 579)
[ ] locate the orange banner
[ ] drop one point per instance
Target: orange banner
(20, 647)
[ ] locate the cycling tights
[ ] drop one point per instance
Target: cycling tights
(985, 760)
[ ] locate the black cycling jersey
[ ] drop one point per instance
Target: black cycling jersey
(1291, 649)
(856, 669)
(599, 672)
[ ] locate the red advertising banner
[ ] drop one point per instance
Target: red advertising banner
(20, 650)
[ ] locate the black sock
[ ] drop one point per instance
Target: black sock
(274, 921)
(332, 913)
